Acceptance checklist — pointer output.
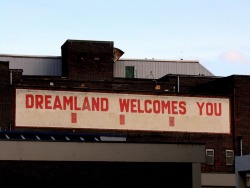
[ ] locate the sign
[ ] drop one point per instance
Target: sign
(90, 110)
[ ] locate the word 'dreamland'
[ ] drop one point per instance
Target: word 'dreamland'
(50, 102)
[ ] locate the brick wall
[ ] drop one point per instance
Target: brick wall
(242, 112)
(87, 60)
(237, 88)
(4, 73)
(189, 86)
(6, 98)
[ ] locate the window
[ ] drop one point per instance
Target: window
(229, 157)
(129, 72)
(210, 156)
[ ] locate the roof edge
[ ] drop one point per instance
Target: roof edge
(30, 56)
(162, 60)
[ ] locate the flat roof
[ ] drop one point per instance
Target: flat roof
(160, 60)
(30, 56)
(121, 59)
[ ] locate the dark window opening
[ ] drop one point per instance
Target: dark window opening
(129, 71)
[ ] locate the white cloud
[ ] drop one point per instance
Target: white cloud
(234, 57)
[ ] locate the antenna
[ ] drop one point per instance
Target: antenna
(157, 87)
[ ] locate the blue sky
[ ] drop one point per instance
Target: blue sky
(215, 32)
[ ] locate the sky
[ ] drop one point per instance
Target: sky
(214, 32)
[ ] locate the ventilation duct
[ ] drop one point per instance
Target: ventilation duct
(117, 54)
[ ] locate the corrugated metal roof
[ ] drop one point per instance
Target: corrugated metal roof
(143, 68)
(35, 65)
(155, 68)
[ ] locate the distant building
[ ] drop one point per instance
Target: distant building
(123, 68)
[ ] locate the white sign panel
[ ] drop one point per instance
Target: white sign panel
(90, 110)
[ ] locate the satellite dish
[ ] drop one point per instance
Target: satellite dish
(117, 53)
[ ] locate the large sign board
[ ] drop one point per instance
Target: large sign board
(91, 110)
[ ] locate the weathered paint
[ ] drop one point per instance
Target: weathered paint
(90, 110)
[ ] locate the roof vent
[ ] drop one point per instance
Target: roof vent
(117, 53)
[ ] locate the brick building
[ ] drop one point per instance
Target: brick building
(88, 66)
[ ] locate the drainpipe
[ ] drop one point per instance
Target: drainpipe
(239, 138)
(178, 84)
(241, 147)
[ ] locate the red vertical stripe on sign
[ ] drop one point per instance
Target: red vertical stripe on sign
(171, 121)
(73, 118)
(122, 119)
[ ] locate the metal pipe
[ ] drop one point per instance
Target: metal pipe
(241, 146)
(178, 84)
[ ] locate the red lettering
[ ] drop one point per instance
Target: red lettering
(124, 105)
(39, 101)
(165, 105)
(47, 102)
(139, 107)
(156, 106)
(75, 104)
(200, 106)
(182, 106)
(146, 105)
(85, 104)
(57, 103)
(95, 104)
(29, 101)
(209, 109)
(174, 107)
(152, 106)
(133, 105)
(217, 110)
(104, 104)
(122, 119)
(73, 117)
(171, 121)
(67, 102)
